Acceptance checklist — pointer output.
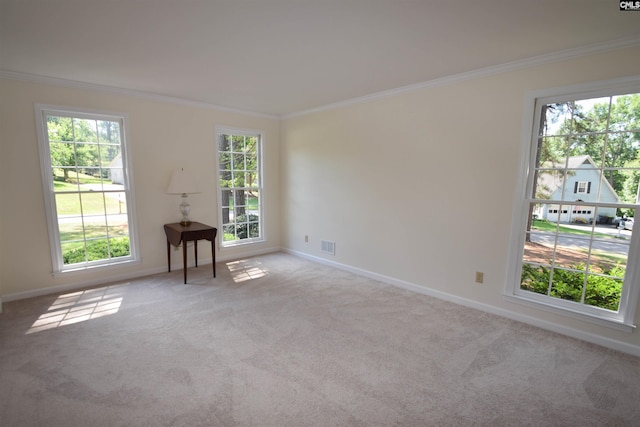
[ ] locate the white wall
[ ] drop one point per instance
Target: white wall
(419, 187)
(163, 136)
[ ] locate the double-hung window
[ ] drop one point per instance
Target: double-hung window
(575, 249)
(87, 185)
(240, 192)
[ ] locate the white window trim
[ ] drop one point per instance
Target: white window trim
(582, 187)
(59, 269)
(623, 321)
(262, 220)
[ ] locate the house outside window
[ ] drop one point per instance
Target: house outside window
(583, 171)
(240, 191)
(87, 182)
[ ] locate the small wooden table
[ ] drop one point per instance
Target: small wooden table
(195, 231)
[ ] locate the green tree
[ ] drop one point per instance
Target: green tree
(613, 150)
(73, 144)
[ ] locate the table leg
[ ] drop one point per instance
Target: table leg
(195, 249)
(213, 257)
(169, 256)
(184, 259)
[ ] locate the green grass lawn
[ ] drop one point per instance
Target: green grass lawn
(541, 225)
(92, 203)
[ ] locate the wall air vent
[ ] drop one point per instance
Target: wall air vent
(328, 247)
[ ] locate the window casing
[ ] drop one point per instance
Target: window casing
(581, 173)
(582, 187)
(87, 188)
(240, 189)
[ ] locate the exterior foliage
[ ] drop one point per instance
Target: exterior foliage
(97, 250)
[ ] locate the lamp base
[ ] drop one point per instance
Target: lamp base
(185, 208)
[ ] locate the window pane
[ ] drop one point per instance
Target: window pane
(59, 128)
(535, 278)
(587, 145)
(224, 143)
(92, 203)
(604, 292)
(238, 162)
(571, 251)
(237, 145)
(62, 154)
(591, 115)
(117, 227)
(110, 156)
(73, 252)
(557, 118)
(225, 162)
(119, 247)
(567, 285)
(68, 204)
(97, 249)
(71, 229)
(87, 155)
(553, 152)
(85, 130)
(116, 204)
(109, 132)
(251, 179)
(95, 226)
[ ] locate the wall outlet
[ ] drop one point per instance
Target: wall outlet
(479, 277)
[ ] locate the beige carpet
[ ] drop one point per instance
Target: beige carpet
(281, 341)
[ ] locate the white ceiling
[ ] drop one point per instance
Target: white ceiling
(283, 56)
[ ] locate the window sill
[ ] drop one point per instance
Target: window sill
(236, 243)
(600, 321)
(90, 268)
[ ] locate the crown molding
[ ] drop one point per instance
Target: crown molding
(54, 81)
(481, 72)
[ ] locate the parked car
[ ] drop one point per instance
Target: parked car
(626, 224)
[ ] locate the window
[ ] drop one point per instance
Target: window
(582, 187)
(87, 188)
(240, 187)
(575, 254)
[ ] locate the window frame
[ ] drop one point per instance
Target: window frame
(622, 320)
(226, 130)
(58, 266)
(582, 187)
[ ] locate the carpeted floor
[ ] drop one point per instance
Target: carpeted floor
(281, 341)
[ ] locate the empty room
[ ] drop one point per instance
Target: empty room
(319, 212)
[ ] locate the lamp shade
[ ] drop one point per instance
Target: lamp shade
(182, 183)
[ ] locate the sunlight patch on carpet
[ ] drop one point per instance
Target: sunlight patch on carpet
(246, 269)
(80, 306)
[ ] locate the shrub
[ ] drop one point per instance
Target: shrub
(601, 291)
(246, 227)
(97, 250)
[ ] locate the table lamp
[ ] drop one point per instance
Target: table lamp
(183, 183)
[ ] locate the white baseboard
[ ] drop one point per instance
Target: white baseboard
(543, 324)
(104, 278)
